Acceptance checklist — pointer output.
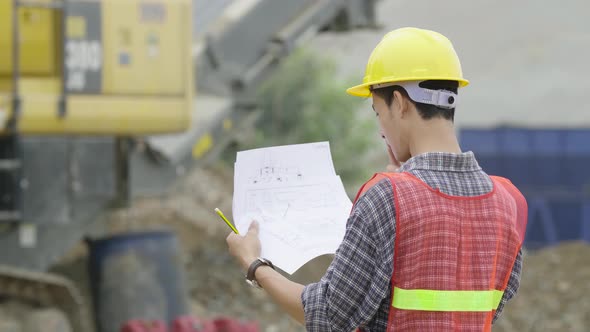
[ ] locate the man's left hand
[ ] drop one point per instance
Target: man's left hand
(245, 248)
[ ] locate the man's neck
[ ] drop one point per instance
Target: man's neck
(435, 135)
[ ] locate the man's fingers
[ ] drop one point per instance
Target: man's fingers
(253, 227)
(230, 238)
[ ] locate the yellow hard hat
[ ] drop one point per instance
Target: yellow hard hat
(410, 54)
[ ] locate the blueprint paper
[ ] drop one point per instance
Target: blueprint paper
(281, 164)
(299, 202)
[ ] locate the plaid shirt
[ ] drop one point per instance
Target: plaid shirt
(356, 289)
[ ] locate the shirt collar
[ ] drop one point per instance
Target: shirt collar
(442, 161)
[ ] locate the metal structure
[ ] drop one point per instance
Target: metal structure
(98, 105)
(233, 53)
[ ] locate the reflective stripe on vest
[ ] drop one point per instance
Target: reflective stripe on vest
(439, 300)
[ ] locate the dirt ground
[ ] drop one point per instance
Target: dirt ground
(554, 291)
(215, 282)
(552, 297)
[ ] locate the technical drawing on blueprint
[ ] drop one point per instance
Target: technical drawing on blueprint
(271, 171)
(280, 165)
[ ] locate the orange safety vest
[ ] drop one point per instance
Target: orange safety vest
(453, 255)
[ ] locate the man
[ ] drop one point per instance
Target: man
(434, 246)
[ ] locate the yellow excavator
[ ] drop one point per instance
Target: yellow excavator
(86, 84)
(76, 78)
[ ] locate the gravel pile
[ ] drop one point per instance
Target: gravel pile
(215, 282)
(554, 293)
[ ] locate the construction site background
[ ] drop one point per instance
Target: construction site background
(527, 63)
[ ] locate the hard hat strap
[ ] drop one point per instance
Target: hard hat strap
(440, 98)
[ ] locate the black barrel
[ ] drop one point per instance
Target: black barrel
(136, 276)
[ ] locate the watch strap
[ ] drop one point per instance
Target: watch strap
(251, 274)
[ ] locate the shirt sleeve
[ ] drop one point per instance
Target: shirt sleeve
(512, 287)
(354, 286)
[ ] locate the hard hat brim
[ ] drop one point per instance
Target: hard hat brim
(364, 90)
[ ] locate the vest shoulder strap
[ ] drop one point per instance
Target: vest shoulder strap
(377, 177)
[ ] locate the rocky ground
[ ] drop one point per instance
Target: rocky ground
(554, 291)
(215, 282)
(553, 295)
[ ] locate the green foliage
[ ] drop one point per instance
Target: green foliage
(305, 102)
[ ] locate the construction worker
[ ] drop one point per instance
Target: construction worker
(435, 246)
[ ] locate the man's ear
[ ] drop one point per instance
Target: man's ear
(405, 104)
(399, 103)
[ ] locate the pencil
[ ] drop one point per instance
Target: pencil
(218, 211)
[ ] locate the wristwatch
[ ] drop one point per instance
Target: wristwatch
(251, 275)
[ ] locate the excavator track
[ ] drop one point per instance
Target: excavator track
(46, 290)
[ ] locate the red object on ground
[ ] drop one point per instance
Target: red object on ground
(192, 324)
(144, 326)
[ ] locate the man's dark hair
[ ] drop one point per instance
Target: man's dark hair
(426, 111)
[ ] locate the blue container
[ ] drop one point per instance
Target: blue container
(546, 157)
(136, 276)
(577, 154)
(551, 168)
(555, 220)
